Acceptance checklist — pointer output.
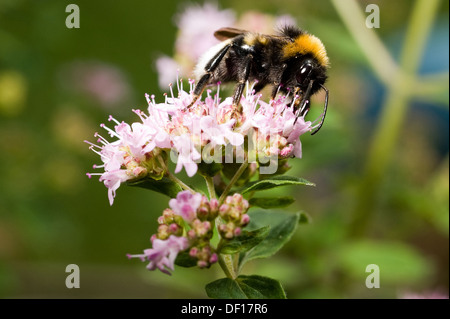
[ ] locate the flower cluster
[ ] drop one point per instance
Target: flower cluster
(188, 223)
(233, 213)
(189, 134)
(133, 155)
(163, 253)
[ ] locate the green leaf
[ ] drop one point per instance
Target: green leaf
(230, 169)
(273, 182)
(271, 202)
(209, 169)
(224, 288)
(282, 227)
(245, 287)
(185, 260)
(304, 218)
(164, 186)
(247, 240)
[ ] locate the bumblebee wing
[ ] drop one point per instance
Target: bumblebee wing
(227, 33)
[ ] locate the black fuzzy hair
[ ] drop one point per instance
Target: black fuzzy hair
(291, 31)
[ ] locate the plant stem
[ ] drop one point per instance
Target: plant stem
(179, 182)
(393, 114)
(226, 263)
(369, 42)
(210, 186)
(229, 262)
(233, 181)
(173, 177)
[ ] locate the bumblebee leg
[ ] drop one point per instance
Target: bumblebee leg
(199, 88)
(242, 79)
(210, 67)
(259, 86)
(275, 90)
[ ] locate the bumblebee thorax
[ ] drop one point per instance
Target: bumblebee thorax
(306, 44)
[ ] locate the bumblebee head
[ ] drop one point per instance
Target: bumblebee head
(306, 67)
(307, 70)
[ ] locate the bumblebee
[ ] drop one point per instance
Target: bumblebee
(293, 61)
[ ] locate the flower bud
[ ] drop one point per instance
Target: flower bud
(213, 205)
(191, 234)
(245, 219)
(163, 232)
(193, 252)
(213, 259)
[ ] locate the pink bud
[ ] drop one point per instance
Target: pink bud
(245, 204)
(207, 225)
(214, 258)
(213, 204)
(223, 209)
(237, 231)
(173, 228)
(191, 234)
(237, 198)
(245, 219)
(193, 252)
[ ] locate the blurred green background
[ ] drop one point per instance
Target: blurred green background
(380, 162)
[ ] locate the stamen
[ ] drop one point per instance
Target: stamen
(101, 139)
(111, 118)
(96, 152)
(180, 87)
(93, 174)
(178, 81)
(191, 85)
(171, 90)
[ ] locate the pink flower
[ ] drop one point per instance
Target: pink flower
(219, 134)
(132, 155)
(163, 253)
(187, 154)
(272, 128)
(197, 25)
(275, 125)
(424, 295)
(105, 83)
(186, 205)
(166, 68)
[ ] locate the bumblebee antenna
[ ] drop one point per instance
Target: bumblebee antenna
(324, 111)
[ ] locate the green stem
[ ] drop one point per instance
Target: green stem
(226, 263)
(179, 182)
(210, 186)
(173, 177)
(393, 114)
(369, 42)
(233, 181)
